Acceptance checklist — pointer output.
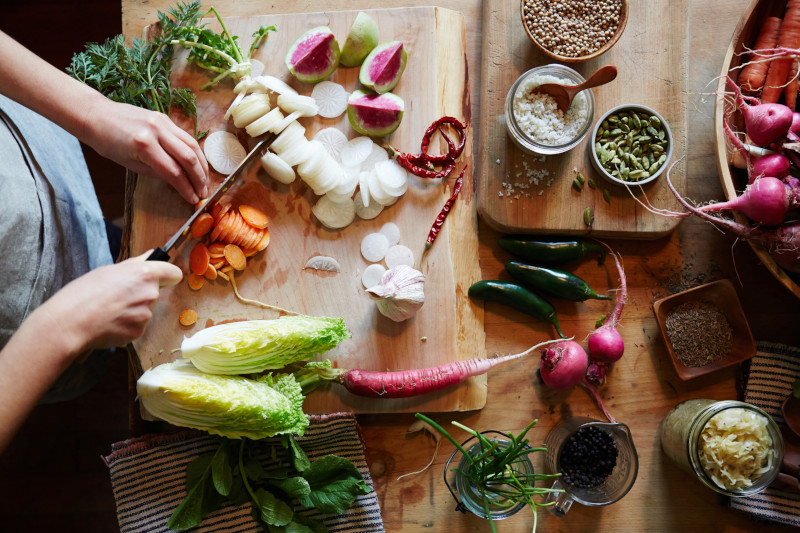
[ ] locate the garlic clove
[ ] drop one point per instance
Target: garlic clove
(400, 293)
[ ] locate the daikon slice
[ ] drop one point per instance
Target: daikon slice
(332, 175)
(393, 177)
(334, 215)
(333, 140)
(323, 262)
(223, 151)
(356, 150)
(253, 106)
(336, 197)
(376, 190)
(288, 119)
(297, 103)
(277, 168)
(377, 153)
(399, 255)
(276, 85)
(363, 188)
(331, 98)
(288, 137)
(349, 182)
(298, 153)
(256, 68)
(374, 247)
(236, 101)
(367, 212)
(264, 124)
(391, 231)
(311, 168)
(372, 275)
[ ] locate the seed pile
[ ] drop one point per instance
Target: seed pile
(588, 457)
(631, 145)
(699, 333)
(572, 28)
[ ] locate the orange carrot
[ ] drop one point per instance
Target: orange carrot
(235, 257)
(202, 225)
(216, 250)
(264, 242)
(788, 37)
(211, 273)
(790, 93)
(254, 217)
(196, 282)
(751, 78)
(198, 259)
(188, 317)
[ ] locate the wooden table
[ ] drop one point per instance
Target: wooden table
(642, 386)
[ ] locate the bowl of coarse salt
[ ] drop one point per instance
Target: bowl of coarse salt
(533, 120)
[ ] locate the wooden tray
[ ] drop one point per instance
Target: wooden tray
(449, 326)
(651, 58)
(743, 37)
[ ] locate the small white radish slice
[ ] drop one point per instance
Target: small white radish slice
(311, 168)
(288, 119)
(372, 275)
(334, 215)
(297, 103)
(364, 212)
(298, 153)
(277, 168)
(374, 247)
(323, 262)
(363, 188)
(348, 185)
(334, 196)
(399, 255)
(236, 101)
(393, 177)
(376, 190)
(377, 153)
(333, 140)
(264, 124)
(331, 176)
(278, 86)
(356, 150)
(252, 107)
(223, 151)
(392, 232)
(288, 137)
(256, 68)
(331, 98)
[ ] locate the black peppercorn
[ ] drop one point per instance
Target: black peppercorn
(588, 457)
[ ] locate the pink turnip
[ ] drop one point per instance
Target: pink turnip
(605, 343)
(563, 364)
(764, 123)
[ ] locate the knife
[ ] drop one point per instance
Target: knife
(162, 253)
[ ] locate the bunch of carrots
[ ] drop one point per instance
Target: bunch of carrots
(769, 76)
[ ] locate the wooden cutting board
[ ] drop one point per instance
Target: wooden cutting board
(449, 327)
(651, 61)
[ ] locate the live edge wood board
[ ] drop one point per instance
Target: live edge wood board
(449, 327)
(651, 58)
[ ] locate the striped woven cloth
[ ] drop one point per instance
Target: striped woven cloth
(772, 371)
(148, 479)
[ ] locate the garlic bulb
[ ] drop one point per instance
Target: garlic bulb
(400, 293)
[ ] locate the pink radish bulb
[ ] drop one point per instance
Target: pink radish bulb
(774, 165)
(563, 364)
(765, 201)
(605, 343)
(764, 123)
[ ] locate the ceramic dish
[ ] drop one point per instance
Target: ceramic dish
(723, 295)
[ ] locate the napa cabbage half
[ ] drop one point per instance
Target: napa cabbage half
(256, 345)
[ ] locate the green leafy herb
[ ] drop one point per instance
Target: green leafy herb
(238, 473)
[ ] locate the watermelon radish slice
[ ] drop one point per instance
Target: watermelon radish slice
(374, 115)
(383, 67)
(314, 55)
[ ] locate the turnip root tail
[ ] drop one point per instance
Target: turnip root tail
(598, 400)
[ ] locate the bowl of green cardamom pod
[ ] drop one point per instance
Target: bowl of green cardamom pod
(631, 145)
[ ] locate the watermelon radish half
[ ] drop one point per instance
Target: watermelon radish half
(383, 67)
(314, 55)
(374, 115)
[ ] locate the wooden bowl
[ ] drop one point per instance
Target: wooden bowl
(743, 38)
(623, 20)
(723, 295)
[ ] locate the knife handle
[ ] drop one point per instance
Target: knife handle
(158, 255)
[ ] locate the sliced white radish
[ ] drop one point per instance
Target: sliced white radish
(372, 275)
(392, 232)
(252, 107)
(334, 215)
(298, 153)
(276, 85)
(297, 103)
(393, 177)
(331, 98)
(236, 101)
(323, 262)
(356, 151)
(288, 137)
(348, 184)
(363, 188)
(332, 175)
(223, 151)
(311, 168)
(377, 153)
(399, 255)
(288, 119)
(256, 68)
(376, 191)
(265, 123)
(367, 212)
(374, 247)
(277, 168)
(333, 140)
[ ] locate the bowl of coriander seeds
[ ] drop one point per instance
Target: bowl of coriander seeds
(574, 30)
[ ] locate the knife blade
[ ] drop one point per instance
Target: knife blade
(162, 253)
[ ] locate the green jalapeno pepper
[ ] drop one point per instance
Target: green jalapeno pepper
(517, 297)
(549, 250)
(557, 283)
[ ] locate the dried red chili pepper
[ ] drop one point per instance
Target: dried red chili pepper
(455, 151)
(424, 164)
(448, 205)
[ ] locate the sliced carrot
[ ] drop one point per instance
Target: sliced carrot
(237, 225)
(235, 257)
(202, 225)
(254, 217)
(223, 275)
(188, 317)
(198, 259)
(218, 263)
(751, 78)
(253, 236)
(216, 250)
(249, 252)
(195, 282)
(223, 208)
(215, 211)
(225, 226)
(214, 237)
(211, 273)
(264, 242)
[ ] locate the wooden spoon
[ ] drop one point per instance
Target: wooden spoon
(563, 94)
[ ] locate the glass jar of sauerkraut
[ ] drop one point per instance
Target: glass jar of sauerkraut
(732, 447)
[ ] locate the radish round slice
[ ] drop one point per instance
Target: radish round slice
(374, 247)
(334, 215)
(393, 177)
(297, 103)
(392, 232)
(271, 83)
(264, 124)
(372, 275)
(348, 184)
(256, 68)
(399, 255)
(333, 140)
(277, 168)
(323, 262)
(288, 137)
(376, 190)
(252, 107)
(288, 119)
(367, 213)
(298, 153)
(236, 101)
(356, 150)
(223, 151)
(376, 154)
(331, 98)
(331, 176)
(311, 168)
(363, 188)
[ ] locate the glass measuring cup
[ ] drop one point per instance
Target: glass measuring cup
(612, 488)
